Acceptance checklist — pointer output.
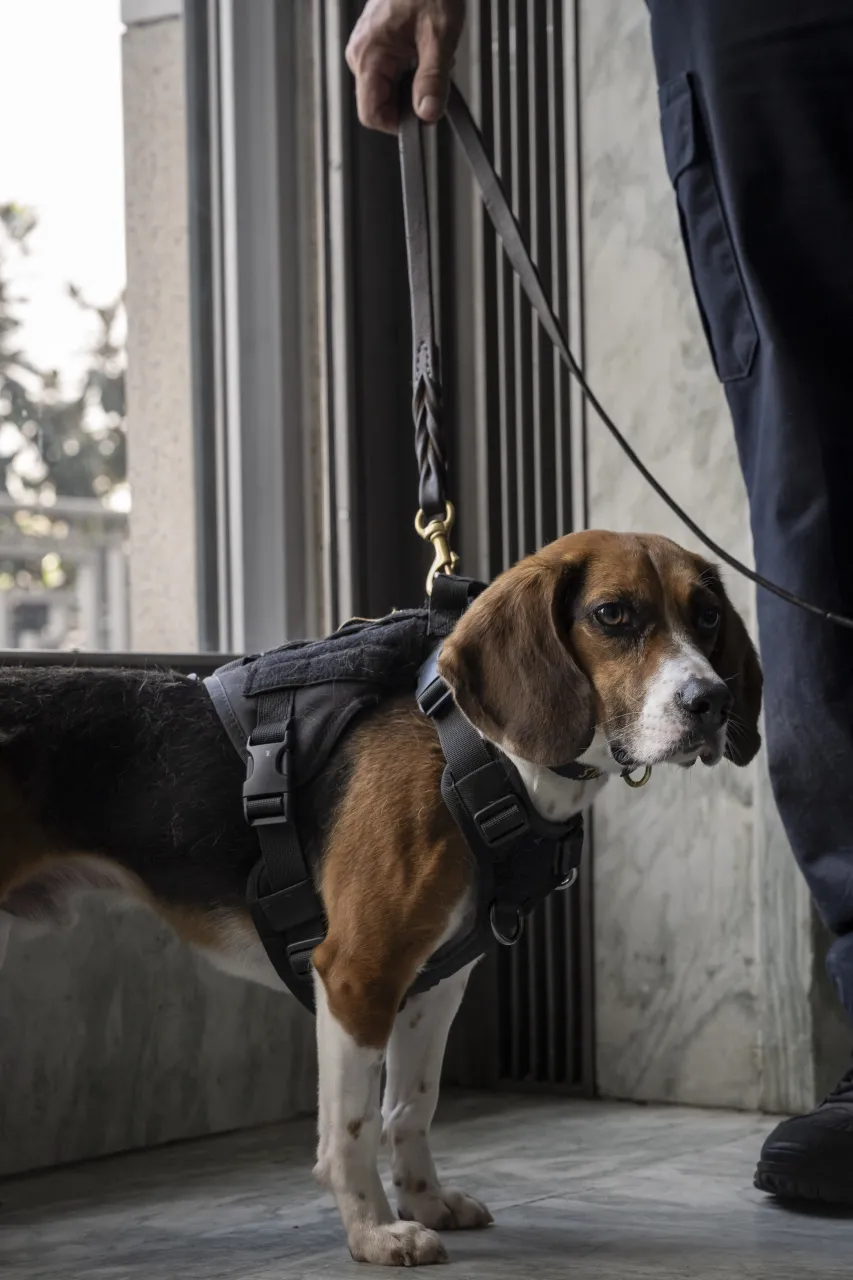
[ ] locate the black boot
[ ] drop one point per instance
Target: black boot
(811, 1157)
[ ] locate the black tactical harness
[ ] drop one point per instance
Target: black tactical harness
(285, 711)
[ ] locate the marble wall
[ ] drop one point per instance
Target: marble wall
(114, 1035)
(676, 995)
(707, 975)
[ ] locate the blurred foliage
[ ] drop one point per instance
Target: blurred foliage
(54, 443)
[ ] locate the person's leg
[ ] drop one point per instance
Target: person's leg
(757, 123)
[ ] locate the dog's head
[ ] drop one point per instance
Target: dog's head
(627, 641)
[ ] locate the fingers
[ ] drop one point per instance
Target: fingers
(377, 89)
(436, 47)
(390, 38)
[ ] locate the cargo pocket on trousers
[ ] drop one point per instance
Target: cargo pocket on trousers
(719, 288)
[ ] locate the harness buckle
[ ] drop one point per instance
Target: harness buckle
(502, 821)
(299, 955)
(267, 787)
(434, 697)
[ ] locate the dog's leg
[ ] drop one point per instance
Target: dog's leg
(350, 1132)
(415, 1055)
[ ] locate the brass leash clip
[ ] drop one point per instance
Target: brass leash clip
(438, 533)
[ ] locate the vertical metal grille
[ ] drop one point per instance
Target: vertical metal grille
(522, 109)
(540, 1023)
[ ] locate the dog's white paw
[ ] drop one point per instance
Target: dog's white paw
(443, 1209)
(399, 1244)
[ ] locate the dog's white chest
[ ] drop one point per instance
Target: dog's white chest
(554, 797)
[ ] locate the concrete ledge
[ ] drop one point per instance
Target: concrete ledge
(136, 12)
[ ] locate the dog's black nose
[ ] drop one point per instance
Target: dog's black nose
(708, 702)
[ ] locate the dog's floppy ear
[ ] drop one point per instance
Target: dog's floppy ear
(734, 659)
(511, 670)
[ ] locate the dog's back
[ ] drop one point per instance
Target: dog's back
(132, 765)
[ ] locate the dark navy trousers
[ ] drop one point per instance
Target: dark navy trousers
(756, 100)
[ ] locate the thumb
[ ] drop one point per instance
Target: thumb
(431, 85)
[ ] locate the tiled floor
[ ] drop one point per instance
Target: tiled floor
(581, 1190)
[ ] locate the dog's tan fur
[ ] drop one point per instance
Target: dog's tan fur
(414, 851)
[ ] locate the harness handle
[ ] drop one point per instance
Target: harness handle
(429, 432)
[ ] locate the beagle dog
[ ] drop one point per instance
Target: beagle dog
(618, 651)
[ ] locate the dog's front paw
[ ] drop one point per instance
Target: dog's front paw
(399, 1244)
(443, 1209)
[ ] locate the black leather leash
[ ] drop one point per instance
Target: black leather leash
(435, 518)
(436, 514)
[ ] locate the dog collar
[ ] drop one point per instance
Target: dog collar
(577, 772)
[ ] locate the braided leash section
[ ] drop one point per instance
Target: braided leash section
(427, 411)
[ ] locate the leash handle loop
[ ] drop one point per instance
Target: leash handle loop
(427, 406)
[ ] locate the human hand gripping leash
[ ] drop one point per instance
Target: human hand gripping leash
(435, 517)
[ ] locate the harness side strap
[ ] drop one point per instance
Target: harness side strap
(521, 857)
(286, 909)
(479, 783)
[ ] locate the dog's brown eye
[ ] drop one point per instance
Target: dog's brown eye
(709, 619)
(613, 615)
